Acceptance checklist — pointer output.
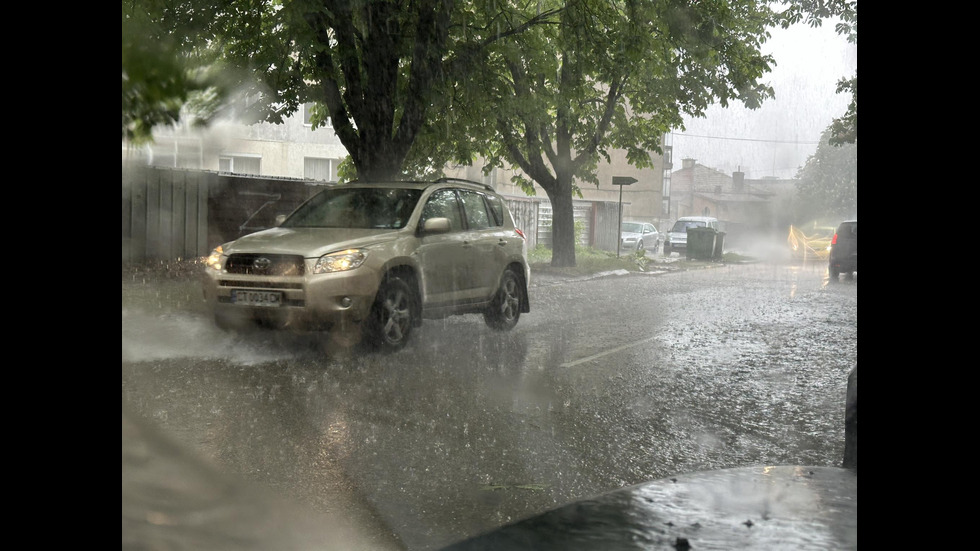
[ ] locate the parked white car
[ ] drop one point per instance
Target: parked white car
(639, 236)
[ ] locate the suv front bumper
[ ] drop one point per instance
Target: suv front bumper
(311, 302)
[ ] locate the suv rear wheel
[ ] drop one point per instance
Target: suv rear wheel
(505, 308)
(390, 322)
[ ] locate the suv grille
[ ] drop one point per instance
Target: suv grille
(266, 264)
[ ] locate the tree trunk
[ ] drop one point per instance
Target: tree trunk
(562, 225)
(381, 163)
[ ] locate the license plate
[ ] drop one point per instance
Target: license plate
(256, 298)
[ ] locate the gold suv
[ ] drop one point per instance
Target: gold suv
(373, 260)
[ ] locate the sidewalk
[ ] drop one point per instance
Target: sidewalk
(542, 276)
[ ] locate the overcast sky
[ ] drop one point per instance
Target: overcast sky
(777, 138)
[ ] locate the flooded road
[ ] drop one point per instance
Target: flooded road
(606, 383)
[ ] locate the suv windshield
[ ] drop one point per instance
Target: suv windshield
(681, 225)
(365, 208)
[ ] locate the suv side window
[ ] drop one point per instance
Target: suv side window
(476, 210)
(496, 209)
(443, 204)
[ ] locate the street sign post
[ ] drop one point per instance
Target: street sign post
(621, 181)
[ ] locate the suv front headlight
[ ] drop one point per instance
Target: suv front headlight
(214, 259)
(340, 261)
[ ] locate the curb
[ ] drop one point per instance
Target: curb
(548, 277)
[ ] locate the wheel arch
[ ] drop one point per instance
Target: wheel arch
(519, 269)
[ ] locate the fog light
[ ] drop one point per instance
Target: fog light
(346, 302)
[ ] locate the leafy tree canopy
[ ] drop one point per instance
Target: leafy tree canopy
(375, 67)
(554, 100)
(546, 86)
(163, 80)
(827, 186)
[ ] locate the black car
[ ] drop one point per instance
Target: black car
(844, 250)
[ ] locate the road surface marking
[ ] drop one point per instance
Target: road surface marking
(606, 353)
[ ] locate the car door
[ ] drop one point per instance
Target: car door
(483, 237)
(649, 235)
(445, 259)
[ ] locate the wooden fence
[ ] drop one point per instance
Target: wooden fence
(170, 214)
(164, 214)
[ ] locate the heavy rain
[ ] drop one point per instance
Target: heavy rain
(686, 390)
(646, 376)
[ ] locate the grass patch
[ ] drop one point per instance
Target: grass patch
(587, 261)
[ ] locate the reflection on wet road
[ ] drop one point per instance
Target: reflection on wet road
(606, 383)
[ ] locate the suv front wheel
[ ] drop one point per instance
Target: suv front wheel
(390, 322)
(505, 308)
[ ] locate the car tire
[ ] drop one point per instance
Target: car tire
(505, 306)
(390, 322)
(834, 274)
(639, 245)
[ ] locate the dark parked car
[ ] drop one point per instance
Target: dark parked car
(374, 260)
(844, 250)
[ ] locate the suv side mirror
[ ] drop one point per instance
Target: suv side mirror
(280, 219)
(436, 225)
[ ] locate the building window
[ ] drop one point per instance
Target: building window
(318, 168)
(176, 152)
(240, 164)
(308, 114)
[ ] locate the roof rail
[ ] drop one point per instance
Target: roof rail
(464, 180)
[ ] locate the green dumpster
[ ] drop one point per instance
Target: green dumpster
(701, 243)
(719, 245)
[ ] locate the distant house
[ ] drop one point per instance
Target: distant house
(742, 205)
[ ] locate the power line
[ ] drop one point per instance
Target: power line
(795, 142)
